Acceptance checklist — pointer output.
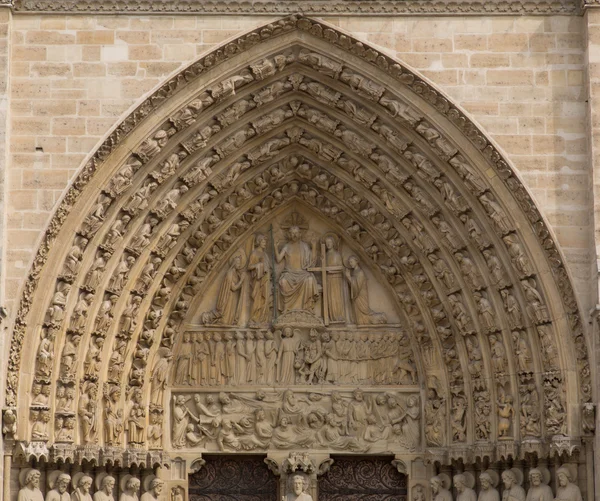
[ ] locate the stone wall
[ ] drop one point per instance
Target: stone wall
(521, 78)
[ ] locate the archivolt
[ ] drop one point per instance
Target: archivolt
(299, 112)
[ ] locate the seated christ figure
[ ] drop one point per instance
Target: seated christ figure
(297, 285)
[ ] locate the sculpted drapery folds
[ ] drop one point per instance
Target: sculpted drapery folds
(259, 265)
(297, 285)
(162, 268)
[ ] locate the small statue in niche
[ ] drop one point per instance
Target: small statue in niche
(506, 414)
(155, 430)
(39, 430)
(297, 487)
(30, 486)
(359, 295)
(59, 483)
(567, 490)
(439, 489)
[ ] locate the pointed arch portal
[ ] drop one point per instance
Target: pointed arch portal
(456, 316)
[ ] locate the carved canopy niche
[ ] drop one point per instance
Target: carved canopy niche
(298, 120)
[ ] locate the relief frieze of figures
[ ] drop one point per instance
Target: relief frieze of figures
(345, 420)
(293, 356)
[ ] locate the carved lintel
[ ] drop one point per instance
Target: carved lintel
(196, 465)
(298, 461)
(324, 466)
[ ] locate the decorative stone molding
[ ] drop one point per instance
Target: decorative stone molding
(315, 7)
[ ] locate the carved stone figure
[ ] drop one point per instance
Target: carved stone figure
(506, 414)
(113, 422)
(496, 213)
(517, 254)
(105, 492)
(297, 285)
(286, 357)
(465, 493)
(538, 490)
(438, 490)
(567, 490)
(259, 266)
(228, 308)
(59, 482)
(359, 295)
(536, 308)
(299, 486)
(132, 486)
(83, 487)
(88, 412)
(136, 421)
(158, 379)
(512, 488)
(153, 493)
(488, 491)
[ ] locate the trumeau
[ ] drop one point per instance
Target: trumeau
(323, 7)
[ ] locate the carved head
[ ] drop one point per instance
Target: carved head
(261, 241)
(157, 486)
(108, 484)
(299, 484)
(294, 233)
(509, 479)
(85, 484)
(358, 394)
(486, 481)
(564, 476)
(133, 484)
(32, 480)
(535, 477)
(352, 262)
(36, 389)
(62, 482)
(460, 482)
